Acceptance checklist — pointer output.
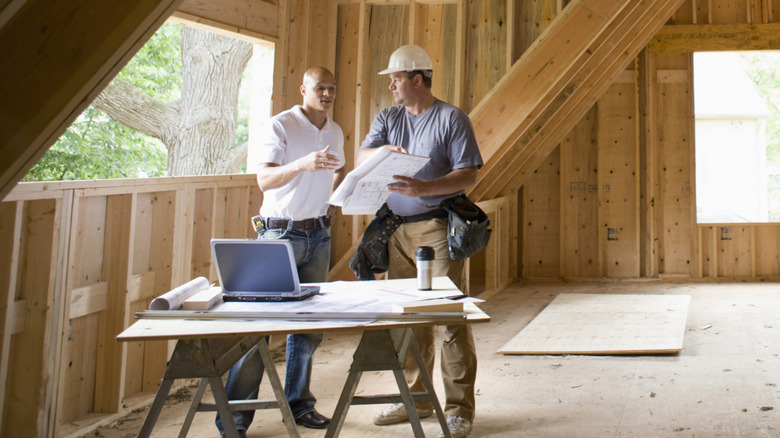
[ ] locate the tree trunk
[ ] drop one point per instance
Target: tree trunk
(199, 129)
(212, 67)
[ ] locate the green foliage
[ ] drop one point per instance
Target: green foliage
(156, 68)
(97, 147)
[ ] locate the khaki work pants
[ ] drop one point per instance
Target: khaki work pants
(458, 353)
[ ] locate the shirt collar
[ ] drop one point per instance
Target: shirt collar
(304, 121)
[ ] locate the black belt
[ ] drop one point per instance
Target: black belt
(305, 224)
(433, 214)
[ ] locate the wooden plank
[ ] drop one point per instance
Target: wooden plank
(715, 37)
(436, 33)
(618, 165)
(322, 35)
(767, 250)
(686, 13)
(557, 118)
(647, 144)
(256, 18)
(605, 324)
(11, 220)
(141, 287)
(541, 220)
(143, 244)
(18, 310)
(539, 130)
(87, 300)
(121, 214)
(708, 252)
(579, 190)
(201, 233)
(26, 387)
(236, 201)
(279, 93)
(387, 31)
(149, 366)
(728, 11)
(497, 256)
(459, 72)
(79, 336)
(58, 279)
(55, 189)
(296, 53)
(345, 112)
(486, 49)
(523, 86)
(532, 18)
(79, 46)
(734, 251)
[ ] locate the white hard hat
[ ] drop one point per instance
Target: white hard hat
(408, 58)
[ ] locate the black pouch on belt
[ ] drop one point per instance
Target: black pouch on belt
(467, 227)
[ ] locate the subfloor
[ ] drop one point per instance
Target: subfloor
(724, 383)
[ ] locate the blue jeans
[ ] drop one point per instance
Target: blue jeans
(312, 256)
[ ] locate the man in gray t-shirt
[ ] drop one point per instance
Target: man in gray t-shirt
(423, 125)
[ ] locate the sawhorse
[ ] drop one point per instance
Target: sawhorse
(381, 350)
(209, 359)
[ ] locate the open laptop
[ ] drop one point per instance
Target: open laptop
(258, 270)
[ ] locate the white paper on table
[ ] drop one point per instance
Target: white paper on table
(173, 300)
(364, 189)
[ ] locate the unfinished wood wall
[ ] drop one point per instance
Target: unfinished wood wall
(615, 199)
(85, 257)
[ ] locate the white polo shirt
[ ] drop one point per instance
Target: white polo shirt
(286, 137)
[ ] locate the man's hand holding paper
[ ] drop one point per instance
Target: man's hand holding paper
(367, 187)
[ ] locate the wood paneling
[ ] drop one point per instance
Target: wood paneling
(486, 49)
(674, 155)
(580, 200)
(722, 37)
(555, 83)
(252, 18)
(541, 219)
(618, 188)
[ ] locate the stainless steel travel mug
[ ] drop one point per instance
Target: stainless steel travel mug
(424, 257)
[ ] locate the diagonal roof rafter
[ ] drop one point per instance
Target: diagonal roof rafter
(555, 91)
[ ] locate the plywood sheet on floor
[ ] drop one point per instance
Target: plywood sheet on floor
(605, 324)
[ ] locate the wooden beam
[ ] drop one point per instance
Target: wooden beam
(141, 287)
(117, 266)
(678, 39)
(549, 90)
(257, 19)
(12, 216)
(88, 300)
(64, 53)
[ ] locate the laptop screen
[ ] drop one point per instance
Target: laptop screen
(248, 265)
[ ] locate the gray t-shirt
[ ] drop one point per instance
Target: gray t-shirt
(443, 132)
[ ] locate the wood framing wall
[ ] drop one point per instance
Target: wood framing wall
(615, 199)
(85, 257)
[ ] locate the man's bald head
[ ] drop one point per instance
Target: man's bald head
(318, 90)
(318, 74)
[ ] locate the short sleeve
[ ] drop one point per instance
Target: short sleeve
(270, 148)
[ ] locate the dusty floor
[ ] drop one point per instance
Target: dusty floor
(724, 383)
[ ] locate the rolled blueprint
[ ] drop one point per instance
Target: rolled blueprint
(173, 300)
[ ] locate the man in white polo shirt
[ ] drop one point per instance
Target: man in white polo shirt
(299, 163)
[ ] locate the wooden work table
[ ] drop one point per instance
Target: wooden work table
(207, 348)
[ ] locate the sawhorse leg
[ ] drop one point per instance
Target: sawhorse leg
(209, 359)
(381, 350)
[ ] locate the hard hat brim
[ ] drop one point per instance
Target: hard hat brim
(387, 71)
